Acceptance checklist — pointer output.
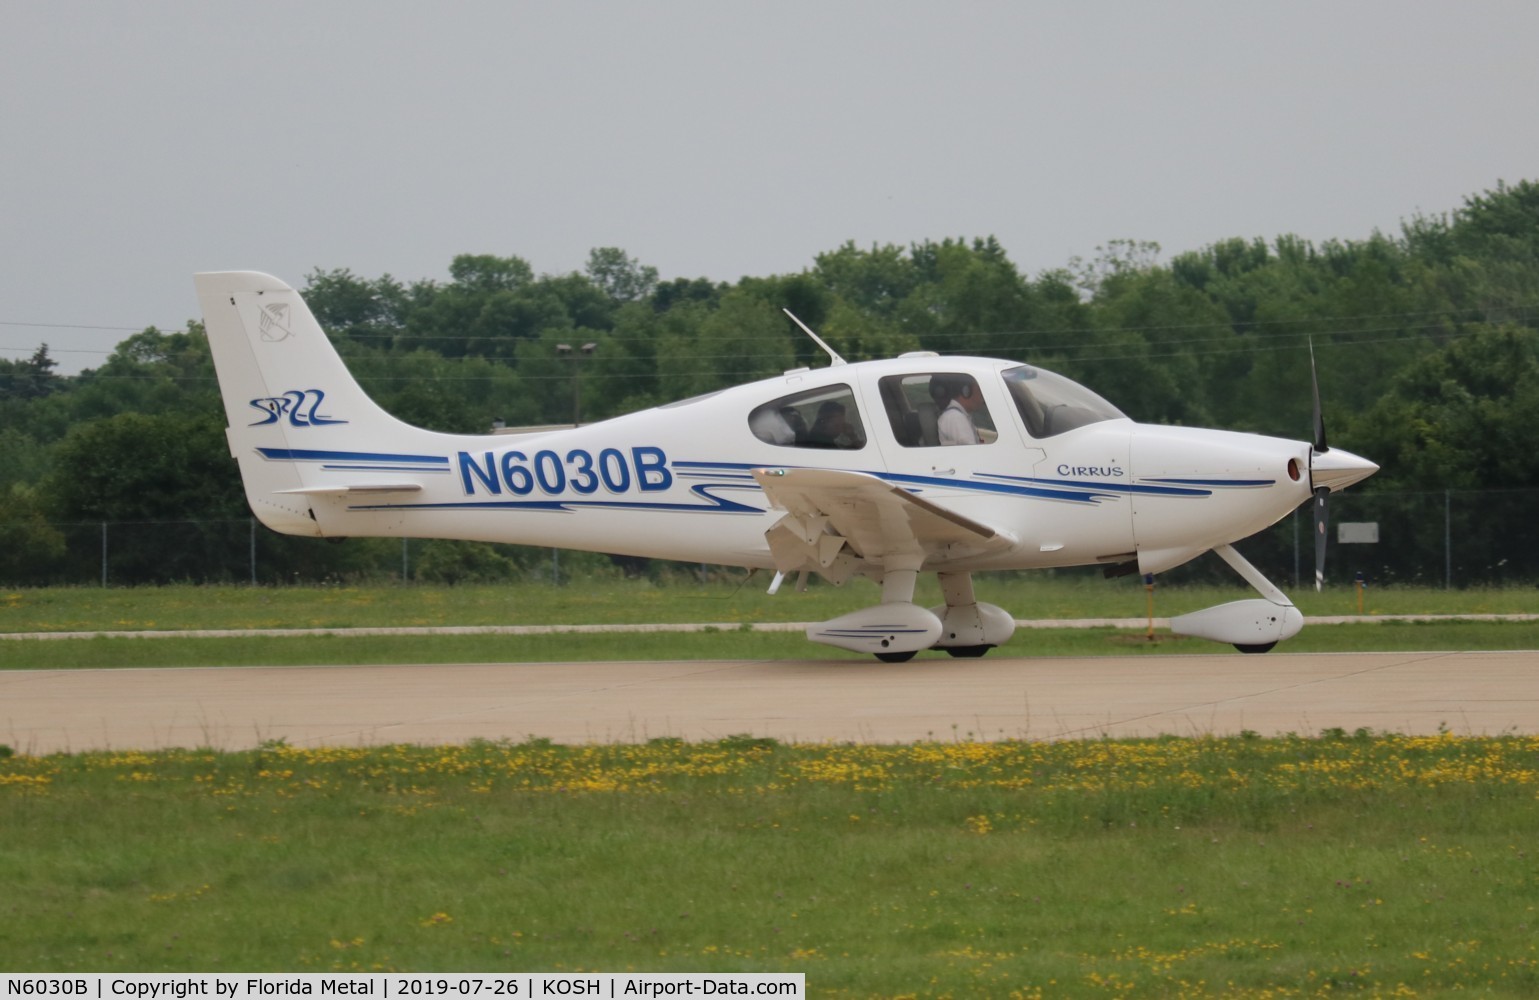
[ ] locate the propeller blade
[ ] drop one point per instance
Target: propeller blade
(1314, 384)
(1322, 522)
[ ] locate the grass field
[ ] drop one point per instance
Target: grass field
(1360, 864)
(71, 654)
(728, 605)
(1345, 864)
(734, 600)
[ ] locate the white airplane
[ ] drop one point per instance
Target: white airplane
(883, 469)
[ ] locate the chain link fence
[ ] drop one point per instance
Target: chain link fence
(1447, 538)
(1451, 538)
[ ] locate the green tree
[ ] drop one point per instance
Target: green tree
(23, 459)
(667, 294)
(350, 307)
(857, 335)
(620, 277)
(453, 562)
(31, 549)
(1459, 422)
(31, 378)
(148, 468)
(1461, 418)
(1502, 224)
(145, 467)
(621, 377)
(703, 350)
(151, 372)
(875, 281)
(489, 273)
(476, 312)
(557, 377)
(971, 299)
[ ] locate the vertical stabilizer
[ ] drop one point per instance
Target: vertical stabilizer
(291, 405)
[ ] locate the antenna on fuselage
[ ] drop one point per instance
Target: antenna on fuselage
(833, 355)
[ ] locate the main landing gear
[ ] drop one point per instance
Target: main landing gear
(896, 629)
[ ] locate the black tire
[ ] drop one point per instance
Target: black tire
(1260, 647)
(967, 651)
(896, 657)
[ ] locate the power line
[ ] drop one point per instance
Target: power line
(70, 326)
(1230, 341)
(507, 372)
(406, 335)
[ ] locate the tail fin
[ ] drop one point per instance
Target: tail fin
(291, 404)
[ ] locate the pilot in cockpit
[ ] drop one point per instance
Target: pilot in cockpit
(956, 397)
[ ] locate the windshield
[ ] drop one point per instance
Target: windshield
(1051, 404)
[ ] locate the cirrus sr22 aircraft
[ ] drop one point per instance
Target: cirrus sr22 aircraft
(883, 469)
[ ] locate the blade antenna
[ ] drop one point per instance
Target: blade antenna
(834, 359)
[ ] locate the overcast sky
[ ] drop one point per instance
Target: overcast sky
(145, 141)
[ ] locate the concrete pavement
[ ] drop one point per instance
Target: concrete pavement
(996, 697)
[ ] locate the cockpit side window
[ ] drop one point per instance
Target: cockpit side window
(1050, 404)
(826, 417)
(930, 409)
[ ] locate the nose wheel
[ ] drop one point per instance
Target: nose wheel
(1253, 626)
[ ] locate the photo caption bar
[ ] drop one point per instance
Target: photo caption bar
(385, 986)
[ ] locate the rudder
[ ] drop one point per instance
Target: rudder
(286, 392)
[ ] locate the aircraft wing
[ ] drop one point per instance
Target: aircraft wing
(835, 520)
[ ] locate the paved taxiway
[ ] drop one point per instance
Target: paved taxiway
(1476, 693)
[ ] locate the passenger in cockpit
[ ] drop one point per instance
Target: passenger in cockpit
(831, 429)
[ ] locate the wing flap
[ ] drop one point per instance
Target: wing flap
(836, 520)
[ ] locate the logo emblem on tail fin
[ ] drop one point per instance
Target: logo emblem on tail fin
(274, 324)
(293, 403)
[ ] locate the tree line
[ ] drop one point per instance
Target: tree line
(1427, 343)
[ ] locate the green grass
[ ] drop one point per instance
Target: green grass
(730, 604)
(1204, 868)
(1369, 865)
(729, 600)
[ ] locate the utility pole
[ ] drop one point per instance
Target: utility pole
(585, 351)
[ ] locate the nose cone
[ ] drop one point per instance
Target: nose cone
(1338, 469)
